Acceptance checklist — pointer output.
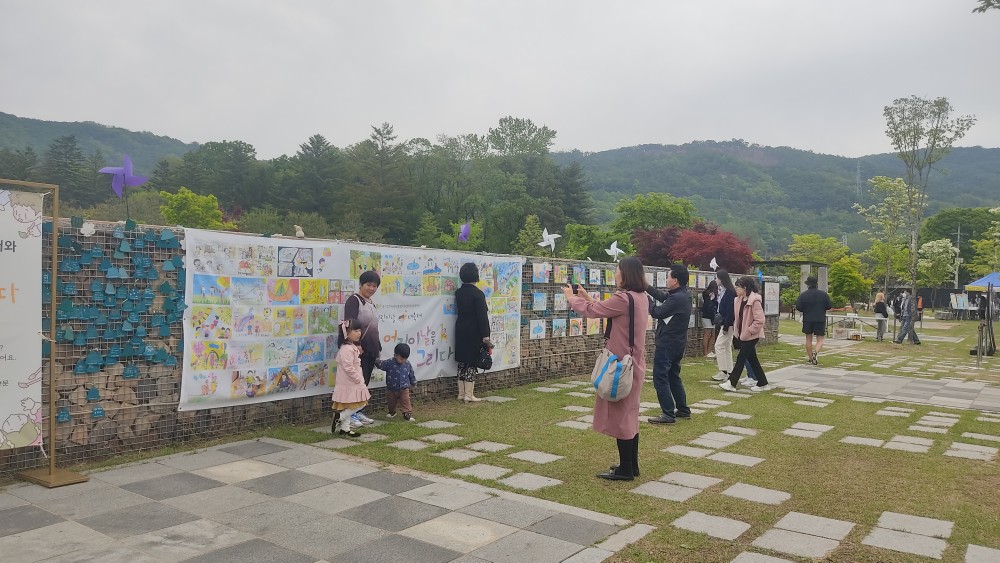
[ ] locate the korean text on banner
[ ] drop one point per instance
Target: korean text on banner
(20, 319)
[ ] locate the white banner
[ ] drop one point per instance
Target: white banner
(261, 322)
(20, 319)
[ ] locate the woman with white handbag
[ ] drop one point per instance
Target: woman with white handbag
(619, 417)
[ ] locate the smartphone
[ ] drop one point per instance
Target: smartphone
(577, 288)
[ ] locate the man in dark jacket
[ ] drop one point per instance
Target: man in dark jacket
(674, 314)
(814, 303)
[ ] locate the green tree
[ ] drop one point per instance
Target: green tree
(986, 5)
(968, 223)
(62, 165)
(19, 164)
(526, 243)
(886, 220)
(449, 239)
(847, 281)
(312, 223)
(649, 212)
(814, 248)
(143, 207)
(189, 209)
(428, 233)
(922, 132)
(517, 136)
(581, 242)
(936, 263)
(986, 259)
(319, 176)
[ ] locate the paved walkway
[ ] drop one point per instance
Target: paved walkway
(271, 500)
(946, 392)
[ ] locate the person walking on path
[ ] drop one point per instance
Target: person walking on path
(881, 314)
(748, 329)
(709, 307)
(620, 419)
(472, 330)
(907, 309)
(673, 315)
(813, 303)
(724, 328)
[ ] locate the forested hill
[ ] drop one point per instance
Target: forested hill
(144, 148)
(770, 193)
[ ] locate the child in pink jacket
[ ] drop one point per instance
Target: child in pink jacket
(350, 393)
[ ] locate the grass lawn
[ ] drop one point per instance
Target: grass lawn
(824, 477)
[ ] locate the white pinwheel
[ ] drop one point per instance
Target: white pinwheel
(614, 251)
(549, 240)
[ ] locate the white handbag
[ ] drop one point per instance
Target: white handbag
(612, 376)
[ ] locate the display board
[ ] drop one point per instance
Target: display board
(262, 315)
(772, 298)
(20, 319)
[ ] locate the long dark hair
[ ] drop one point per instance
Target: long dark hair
(710, 291)
(727, 283)
(633, 274)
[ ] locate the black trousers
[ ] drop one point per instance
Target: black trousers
(748, 353)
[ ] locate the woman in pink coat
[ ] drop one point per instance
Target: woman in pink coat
(748, 329)
(621, 419)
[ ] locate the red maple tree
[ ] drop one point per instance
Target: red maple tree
(698, 249)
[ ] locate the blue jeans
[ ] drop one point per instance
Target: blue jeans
(667, 380)
(906, 329)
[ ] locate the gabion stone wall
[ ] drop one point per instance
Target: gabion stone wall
(119, 347)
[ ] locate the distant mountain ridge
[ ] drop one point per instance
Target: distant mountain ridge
(144, 148)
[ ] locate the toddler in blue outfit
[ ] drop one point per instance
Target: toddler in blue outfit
(399, 379)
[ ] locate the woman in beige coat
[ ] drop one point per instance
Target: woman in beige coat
(748, 329)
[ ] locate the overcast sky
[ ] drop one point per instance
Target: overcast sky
(808, 74)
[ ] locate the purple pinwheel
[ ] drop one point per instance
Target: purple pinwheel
(123, 177)
(463, 233)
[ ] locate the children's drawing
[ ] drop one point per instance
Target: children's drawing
(210, 290)
(249, 291)
(29, 217)
(430, 285)
(283, 291)
(207, 354)
(536, 329)
(560, 275)
(430, 266)
(559, 302)
(211, 323)
(661, 279)
(449, 285)
(558, 328)
(247, 384)
(576, 327)
(391, 285)
(392, 265)
(282, 380)
(331, 347)
(539, 301)
(281, 352)
(286, 321)
(364, 261)
(593, 326)
(313, 292)
(508, 278)
(609, 277)
(595, 276)
(206, 383)
(215, 259)
(314, 375)
(295, 262)
(579, 273)
(540, 272)
(250, 322)
(311, 349)
(243, 355)
(412, 285)
(323, 319)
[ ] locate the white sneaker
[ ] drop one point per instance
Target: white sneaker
(356, 424)
(759, 388)
(720, 376)
(365, 420)
(710, 355)
(747, 382)
(726, 386)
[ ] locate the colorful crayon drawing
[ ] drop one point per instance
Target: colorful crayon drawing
(206, 383)
(247, 384)
(431, 285)
(210, 290)
(331, 347)
(310, 350)
(539, 301)
(363, 261)
(560, 275)
(286, 321)
(283, 291)
(313, 292)
(412, 285)
(430, 267)
(392, 265)
(214, 259)
(267, 260)
(313, 375)
(558, 328)
(211, 323)
(250, 322)
(540, 272)
(281, 352)
(508, 278)
(593, 326)
(450, 308)
(243, 355)
(391, 285)
(536, 329)
(579, 274)
(449, 285)
(661, 279)
(207, 354)
(323, 320)
(249, 291)
(595, 276)
(576, 327)
(282, 379)
(609, 277)
(295, 262)
(559, 302)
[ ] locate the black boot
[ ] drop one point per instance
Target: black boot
(635, 457)
(625, 457)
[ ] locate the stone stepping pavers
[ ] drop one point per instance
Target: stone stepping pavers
(437, 424)
(648, 405)
(546, 389)
(805, 535)
(498, 399)
(589, 419)
(459, 454)
(859, 441)
(688, 451)
(739, 430)
(928, 429)
(483, 471)
(577, 408)
(676, 486)
(715, 526)
(486, 446)
(733, 415)
(529, 481)
(563, 385)
(987, 419)
(814, 402)
(971, 451)
(895, 411)
(980, 554)
(802, 392)
(715, 402)
(807, 430)
(757, 494)
(740, 394)
(909, 444)
(786, 395)
(867, 400)
(441, 438)
(410, 445)
(579, 383)
(736, 459)
(984, 437)
(574, 424)
(716, 440)
(371, 437)
(751, 557)
(581, 395)
(534, 456)
(910, 534)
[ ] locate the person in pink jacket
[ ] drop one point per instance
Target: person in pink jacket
(350, 393)
(621, 419)
(748, 329)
